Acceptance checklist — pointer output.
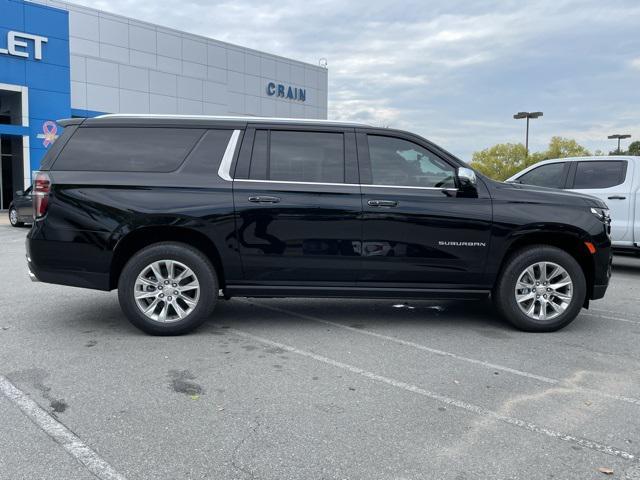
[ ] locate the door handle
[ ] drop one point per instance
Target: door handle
(382, 203)
(264, 199)
(617, 197)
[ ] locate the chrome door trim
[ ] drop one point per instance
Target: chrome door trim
(224, 171)
(290, 182)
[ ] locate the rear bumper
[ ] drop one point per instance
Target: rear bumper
(71, 278)
(32, 275)
(65, 263)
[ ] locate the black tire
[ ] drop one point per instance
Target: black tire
(16, 222)
(504, 292)
(192, 258)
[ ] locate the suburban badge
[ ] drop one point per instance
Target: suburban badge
(444, 243)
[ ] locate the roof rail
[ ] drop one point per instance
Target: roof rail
(248, 119)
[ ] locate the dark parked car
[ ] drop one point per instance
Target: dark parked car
(177, 211)
(21, 209)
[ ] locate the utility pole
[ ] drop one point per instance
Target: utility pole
(619, 137)
(527, 115)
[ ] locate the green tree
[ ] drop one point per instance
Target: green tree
(560, 147)
(634, 148)
(500, 161)
(506, 159)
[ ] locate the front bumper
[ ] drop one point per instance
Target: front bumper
(602, 281)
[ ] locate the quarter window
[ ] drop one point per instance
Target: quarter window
(600, 174)
(136, 149)
(205, 158)
(550, 175)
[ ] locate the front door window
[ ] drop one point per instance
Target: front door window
(398, 162)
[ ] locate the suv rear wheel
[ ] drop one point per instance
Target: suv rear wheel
(168, 289)
(541, 289)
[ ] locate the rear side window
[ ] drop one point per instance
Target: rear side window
(551, 175)
(298, 156)
(600, 174)
(137, 149)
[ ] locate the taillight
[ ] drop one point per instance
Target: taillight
(41, 190)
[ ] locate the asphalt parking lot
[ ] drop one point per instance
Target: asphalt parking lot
(318, 389)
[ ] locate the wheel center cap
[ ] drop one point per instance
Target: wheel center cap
(541, 290)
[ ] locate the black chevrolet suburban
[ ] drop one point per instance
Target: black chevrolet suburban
(177, 211)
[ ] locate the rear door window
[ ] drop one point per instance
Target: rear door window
(552, 175)
(295, 156)
(600, 174)
(260, 156)
(137, 149)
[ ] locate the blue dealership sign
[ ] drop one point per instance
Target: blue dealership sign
(34, 61)
(286, 91)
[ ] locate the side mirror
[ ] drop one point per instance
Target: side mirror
(467, 179)
(19, 193)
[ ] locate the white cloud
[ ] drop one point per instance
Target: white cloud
(452, 70)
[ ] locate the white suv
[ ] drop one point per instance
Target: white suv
(613, 179)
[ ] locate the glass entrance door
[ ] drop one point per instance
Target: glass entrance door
(6, 172)
(13, 106)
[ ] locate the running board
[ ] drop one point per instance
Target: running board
(352, 292)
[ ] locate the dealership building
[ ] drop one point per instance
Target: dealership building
(60, 60)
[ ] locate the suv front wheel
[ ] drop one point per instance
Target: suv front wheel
(168, 289)
(541, 289)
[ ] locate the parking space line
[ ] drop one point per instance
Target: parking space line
(424, 348)
(632, 473)
(615, 312)
(469, 407)
(59, 433)
(608, 317)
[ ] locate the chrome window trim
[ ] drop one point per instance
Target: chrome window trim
(291, 182)
(224, 171)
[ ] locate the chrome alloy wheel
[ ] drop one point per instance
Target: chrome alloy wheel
(166, 291)
(13, 216)
(544, 290)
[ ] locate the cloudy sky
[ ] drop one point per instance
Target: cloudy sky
(454, 71)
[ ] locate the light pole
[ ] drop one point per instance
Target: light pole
(527, 115)
(619, 137)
